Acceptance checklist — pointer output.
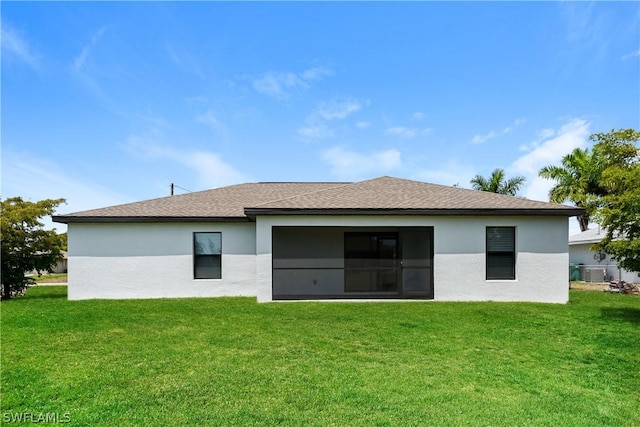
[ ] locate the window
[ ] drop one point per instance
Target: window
(501, 253)
(207, 255)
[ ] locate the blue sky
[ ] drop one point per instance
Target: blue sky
(107, 103)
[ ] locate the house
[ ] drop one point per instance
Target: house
(61, 266)
(380, 238)
(594, 266)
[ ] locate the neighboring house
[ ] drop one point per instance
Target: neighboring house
(380, 238)
(59, 268)
(593, 266)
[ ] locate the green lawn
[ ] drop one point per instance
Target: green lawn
(231, 361)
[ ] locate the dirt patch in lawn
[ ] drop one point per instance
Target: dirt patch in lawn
(581, 286)
(52, 278)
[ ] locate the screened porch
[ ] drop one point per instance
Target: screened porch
(352, 262)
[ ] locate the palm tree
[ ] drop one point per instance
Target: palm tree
(497, 183)
(576, 180)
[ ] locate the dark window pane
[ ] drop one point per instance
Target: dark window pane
(208, 267)
(357, 243)
(500, 239)
(501, 256)
(207, 255)
(207, 243)
(500, 266)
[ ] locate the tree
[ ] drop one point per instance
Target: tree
(26, 246)
(577, 180)
(619, 207)
(497, 183)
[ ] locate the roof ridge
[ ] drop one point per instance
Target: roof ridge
(443, 186)
(344, 184)
(451, 187)
(303, 182)
(362, 194)
(303, 194)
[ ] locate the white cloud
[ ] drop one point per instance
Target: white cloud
(571, 135)
(209, 167)
(316, 73)
(184, 60)
(156, 121)
(34, 178)
(347, 164)
(80, 59)
(451, 172)
(315, 131)
(516, 123)
(401, 131)
(587, 28)
(547, 133)
(196, 100)
(316, 124)
(13, 45)
(337, 108)
(362, 124)
(209, 118)
(418, 116)
(407, 132)
(479, 139)
(80, 69)
(632, 54)
(543, 135)
(280, 84)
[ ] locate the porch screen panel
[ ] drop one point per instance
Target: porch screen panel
(307, 261)
(417, 256)
(371, 262)
(416, 280)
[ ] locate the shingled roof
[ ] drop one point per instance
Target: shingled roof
(384, 195)
(225, 203)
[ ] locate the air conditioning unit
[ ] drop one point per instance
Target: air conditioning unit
(595, 275)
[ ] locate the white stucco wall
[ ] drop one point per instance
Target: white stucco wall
(459, 254)
(155, 260)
